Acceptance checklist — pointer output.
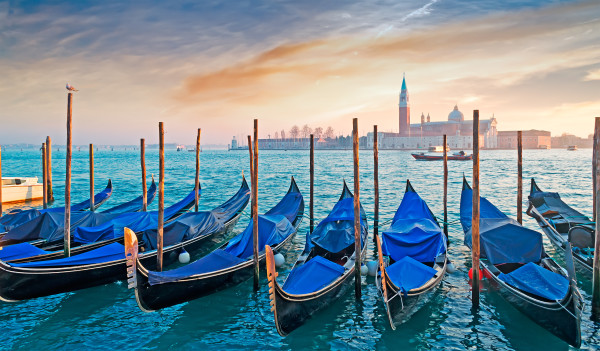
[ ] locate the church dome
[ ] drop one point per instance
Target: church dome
(456, 115)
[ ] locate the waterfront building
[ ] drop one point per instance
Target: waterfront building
(426, 133)
(532, 139)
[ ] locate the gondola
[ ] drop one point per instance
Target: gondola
(412, 258)
(47, 230)
(137, 204)
(459, 156)
(229, 265)
(323, 271)
(514, 260)
(562, 224)
(45, 275)
(17, 217)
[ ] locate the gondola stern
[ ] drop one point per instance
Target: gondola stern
(273, 286)
(293, 186)
(534, 187)
(131, 257)
(346, 193)
(466, 185)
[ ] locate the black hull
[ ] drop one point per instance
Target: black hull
(292, 311)
(559, 242)
(561, 318)
(154, 297)
(26, 283)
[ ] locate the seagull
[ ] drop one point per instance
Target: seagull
(71, 88)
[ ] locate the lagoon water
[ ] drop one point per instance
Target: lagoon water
(107, 317)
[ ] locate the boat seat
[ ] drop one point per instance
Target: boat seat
(408, 274)
(581, 237)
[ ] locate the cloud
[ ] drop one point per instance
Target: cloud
(593, 75)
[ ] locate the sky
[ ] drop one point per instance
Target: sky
(217, 65)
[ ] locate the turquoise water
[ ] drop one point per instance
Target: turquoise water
(108, 316)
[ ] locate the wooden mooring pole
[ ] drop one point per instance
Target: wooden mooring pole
(1, 181)
(445, 146)
(44, 178)
(197, 181)
(92, 204)
(357, 228)
(161, 196)
(596, 262)
(67, 230)
(520, 177)
(50, 193)
(376, 183)
(255, 205)
(312, 183)
(475, 217)
(143, 164)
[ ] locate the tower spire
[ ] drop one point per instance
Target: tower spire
(404, 110)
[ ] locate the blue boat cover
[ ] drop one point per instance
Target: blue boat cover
(136, 221)
(408, 274)
(486, 209)
(336, 231)
(136, 204)
(414, 232)
(312, 276)
(215, 261)
(50, 225)
(537, 280)
(22, 250)
(421, 239)
(550, 204)
(111, 252)
(16, 218)
(272, 230)
(502, 239)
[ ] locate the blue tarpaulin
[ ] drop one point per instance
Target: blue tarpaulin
(312, 276)
(17, 217)
(13, 252)
(336, 232)
(408, 273)
(136, 221)
(502, 239)
(111, 252)
(414, 232)
(212, 262)
(421, 239)
(272, 230)
(538, 281)
(50, 226)
(486, 209)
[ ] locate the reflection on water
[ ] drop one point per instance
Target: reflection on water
(238, 318)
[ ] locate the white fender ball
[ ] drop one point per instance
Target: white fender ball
(451, 268)
(279, 260)
(184, 257)
(364, 270)
(372, 267)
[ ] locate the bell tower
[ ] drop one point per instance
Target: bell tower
(404, 110)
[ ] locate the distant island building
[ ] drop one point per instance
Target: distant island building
(532, 139)
(426, 133)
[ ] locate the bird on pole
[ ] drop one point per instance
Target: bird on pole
(70, 87)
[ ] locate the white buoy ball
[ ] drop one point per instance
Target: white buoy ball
(451, 268)
(372, 267)
(364, 270)
(279, 260)
(184, 257)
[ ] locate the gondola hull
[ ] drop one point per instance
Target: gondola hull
(420, 157)
(154, 297)
(561, 318)
(559, 242)
(18, 283)
(292, 311)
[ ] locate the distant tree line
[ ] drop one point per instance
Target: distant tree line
(295, 132)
